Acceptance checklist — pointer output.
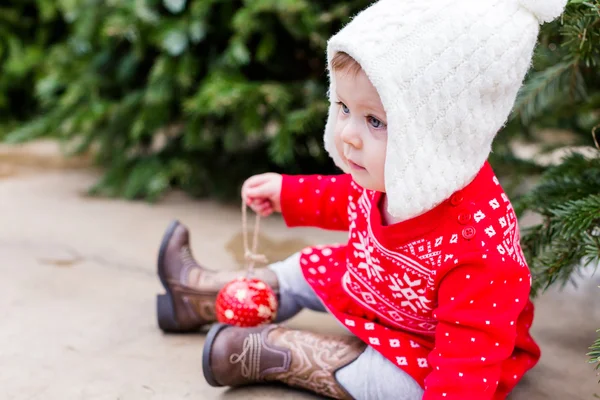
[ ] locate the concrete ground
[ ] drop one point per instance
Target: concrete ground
(78, 286)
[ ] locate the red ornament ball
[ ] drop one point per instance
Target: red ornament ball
(246, 302)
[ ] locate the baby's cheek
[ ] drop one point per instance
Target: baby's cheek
(339, 146)
(381, 172)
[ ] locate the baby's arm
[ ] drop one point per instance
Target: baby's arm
(316, 200)
(478, 308)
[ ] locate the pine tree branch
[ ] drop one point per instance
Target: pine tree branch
(567, 197)
(594, 354)
(542, 90)
(576, 216)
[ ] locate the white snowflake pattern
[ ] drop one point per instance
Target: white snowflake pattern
(352, 215)
(401, 361)
(364, 250)
(494, 204)
(490, 231)
(404, 288)
(479, 215)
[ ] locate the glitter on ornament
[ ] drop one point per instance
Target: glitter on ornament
(246, 302)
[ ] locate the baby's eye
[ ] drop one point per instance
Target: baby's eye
(375, 123)
(345, 109)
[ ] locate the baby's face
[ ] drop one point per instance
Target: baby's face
(361, 129)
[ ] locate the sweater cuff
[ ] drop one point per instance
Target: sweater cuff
(290, 189)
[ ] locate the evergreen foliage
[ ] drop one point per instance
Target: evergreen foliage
(568, 199)
(188, 94)
(27, 29)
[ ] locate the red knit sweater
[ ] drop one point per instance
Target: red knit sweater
(444, 296)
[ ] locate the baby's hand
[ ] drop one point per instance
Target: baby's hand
(263, 193)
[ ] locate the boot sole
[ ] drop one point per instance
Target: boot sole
(165, 313)
(165, 309)
(210, 338)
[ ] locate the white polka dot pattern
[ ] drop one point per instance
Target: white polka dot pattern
(440, 295)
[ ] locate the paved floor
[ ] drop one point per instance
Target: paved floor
(78, 286)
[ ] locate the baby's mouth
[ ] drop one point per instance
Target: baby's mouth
(355, 166)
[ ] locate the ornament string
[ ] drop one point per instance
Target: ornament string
(250, 254)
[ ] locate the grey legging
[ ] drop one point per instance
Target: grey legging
(371, 376)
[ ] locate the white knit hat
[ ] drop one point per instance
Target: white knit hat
(447, 73)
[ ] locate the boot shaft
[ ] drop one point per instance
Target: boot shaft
(240, 356)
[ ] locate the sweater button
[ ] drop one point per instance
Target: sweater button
(468, 233)
(464, 218)
(456, 199)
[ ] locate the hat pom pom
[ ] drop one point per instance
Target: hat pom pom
(545, 10)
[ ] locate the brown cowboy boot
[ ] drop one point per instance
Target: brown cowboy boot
(191, 289)
(239, 356)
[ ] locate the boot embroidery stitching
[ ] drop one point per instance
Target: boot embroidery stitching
(317, 359)
(283, 352)
(251, 350)
(188, 263)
